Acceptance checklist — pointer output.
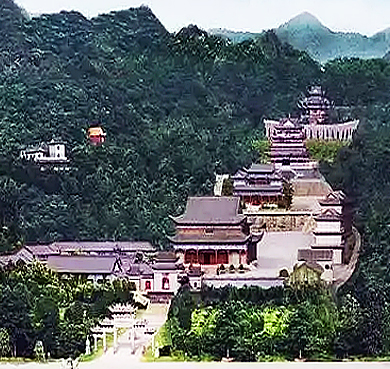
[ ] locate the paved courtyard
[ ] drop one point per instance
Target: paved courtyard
(279, 250)
(120, 362)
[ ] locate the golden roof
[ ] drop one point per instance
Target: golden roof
(96, 131)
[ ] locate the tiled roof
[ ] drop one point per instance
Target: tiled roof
(96, 131)
(166, 256)
(165, 266)
(106, 246)
(193, 239)
(140, 269)
(82, 264)
(333, 198)
(43, 250)
(329, 214)
(211, 210)
(21, 255)
(255, 168)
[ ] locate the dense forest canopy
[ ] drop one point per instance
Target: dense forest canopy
(176, 109)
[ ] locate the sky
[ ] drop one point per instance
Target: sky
(363, 16)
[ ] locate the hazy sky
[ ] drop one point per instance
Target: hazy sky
(364, 16)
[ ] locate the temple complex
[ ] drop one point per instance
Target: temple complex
(258, 185)
(212, 232)
(315, 119)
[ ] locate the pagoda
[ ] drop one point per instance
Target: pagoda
(287, 145)
(212, 231)
(315, 107)
(258, 185)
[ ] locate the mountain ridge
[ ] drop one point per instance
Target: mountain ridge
(306, 33)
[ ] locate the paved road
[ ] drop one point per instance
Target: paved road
(119, 362)
(124, 356)
(279, 250)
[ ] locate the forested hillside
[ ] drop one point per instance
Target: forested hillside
(176, 109)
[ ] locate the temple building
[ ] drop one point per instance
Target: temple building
(258, 185)
(329, 234)
(315, 119)
(212, 231)
(96, 136)
(338, 201)
(155, 274)
(165, 273)
(51, 154)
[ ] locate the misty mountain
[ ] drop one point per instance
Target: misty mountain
(305, 32)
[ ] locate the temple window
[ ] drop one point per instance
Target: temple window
(147, 285)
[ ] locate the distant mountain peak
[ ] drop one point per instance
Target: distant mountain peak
(192, 31)
(303, 19)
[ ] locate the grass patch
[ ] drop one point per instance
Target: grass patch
(326, 151)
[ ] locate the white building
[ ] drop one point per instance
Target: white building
(328, 233)
(52, 153)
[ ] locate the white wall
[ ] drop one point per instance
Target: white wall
(323, 226)
(57, 151)
(158, 279)
(338, 256)
(196, 283)
(327, 240)
(234, 258)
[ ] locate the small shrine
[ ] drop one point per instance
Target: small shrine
(96, 136)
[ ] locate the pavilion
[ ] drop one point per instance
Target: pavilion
(258, 185)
